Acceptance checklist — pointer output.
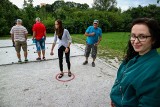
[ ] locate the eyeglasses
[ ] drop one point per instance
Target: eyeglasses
(141, 38)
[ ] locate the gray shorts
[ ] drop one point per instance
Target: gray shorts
(92, 49)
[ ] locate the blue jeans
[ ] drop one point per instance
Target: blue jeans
(40, 44)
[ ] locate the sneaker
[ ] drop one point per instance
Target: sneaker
(93, 64)
(26, 60)
(19, 61)
(38, 59)
(44, 58)
(85, 62)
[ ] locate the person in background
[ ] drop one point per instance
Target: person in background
(19, 38)
(39, 34)
(138, 78)
(94, 36)
(64, 43)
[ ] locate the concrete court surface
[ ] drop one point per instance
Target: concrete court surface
(34, 84)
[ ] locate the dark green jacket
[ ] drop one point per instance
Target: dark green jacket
(138, 82)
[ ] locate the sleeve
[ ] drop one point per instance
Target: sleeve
(68, 36)
(25, 30)
(152, 99)
(100, 32)
(55, 38)
(88, 29)
(11, 31)
(150, 91)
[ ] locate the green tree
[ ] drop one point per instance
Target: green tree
(30, 2)
(8, 15)
(104, 4)
(24, 3)
(57, 4)
(150, 11)
(70, 4)
(49, 23)
(28, 16)
(48, 8)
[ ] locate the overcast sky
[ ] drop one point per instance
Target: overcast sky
(123, 4)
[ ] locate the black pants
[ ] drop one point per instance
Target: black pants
(61, 50)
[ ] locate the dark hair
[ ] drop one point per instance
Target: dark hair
(154, 30)
(59, 31)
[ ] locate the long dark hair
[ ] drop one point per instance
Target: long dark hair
(154, 30)
(60, 29)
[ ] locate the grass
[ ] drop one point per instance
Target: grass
(5, 37)
(111, 46)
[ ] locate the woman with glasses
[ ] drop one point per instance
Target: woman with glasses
(138, 78)
(65, 40)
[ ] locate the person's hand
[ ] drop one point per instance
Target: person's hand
(33, 40)
(51, 53)
(112, 104)
(13, 44)
(96, 44)
(67, 50)
(92, 34)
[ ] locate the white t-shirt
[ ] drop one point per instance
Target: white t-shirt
(19, 32)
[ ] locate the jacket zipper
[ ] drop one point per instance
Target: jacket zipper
(120, 88)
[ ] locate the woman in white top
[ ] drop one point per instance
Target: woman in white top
(64, 43)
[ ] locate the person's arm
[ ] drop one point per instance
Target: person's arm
(69, 38)
(68, 48)
(99, 40)
(44, 35)
(34, 32)
(34, 35)
(69, 41)
(26, 36)
(151, 97)
(89, 34)
(12, 37)
(54, 43)
(149, 88)
(44, 32)
(100, 37)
